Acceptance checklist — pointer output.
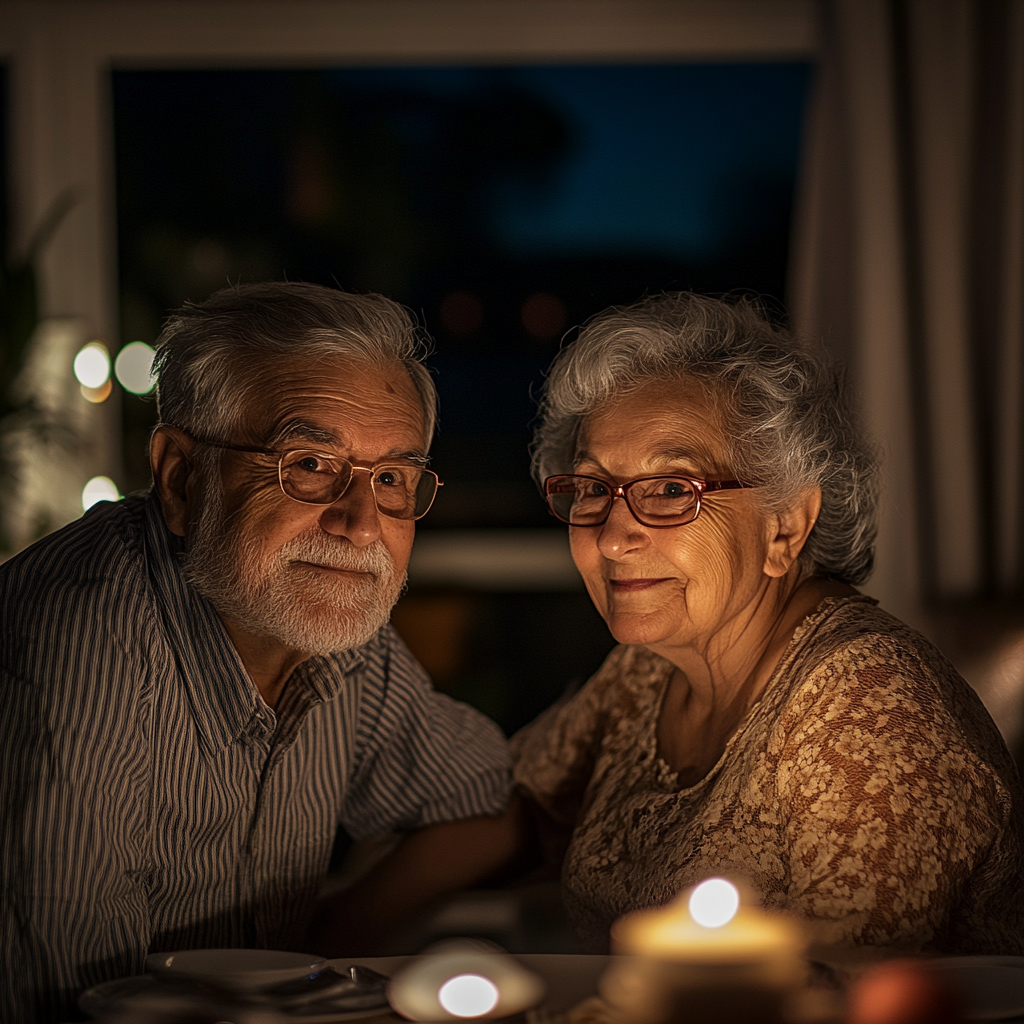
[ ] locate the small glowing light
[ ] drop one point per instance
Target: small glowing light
(99, 488)
(544, 316)
(92, 365)
(462, 313)
(714, 903)
(468, 995)
(132, 367)
(97, 395)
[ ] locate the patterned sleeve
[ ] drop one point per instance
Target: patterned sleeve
(554, 755)
(890, 808)
(421, 757)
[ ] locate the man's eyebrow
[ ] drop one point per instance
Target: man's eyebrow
(298, 431)
(419, 458)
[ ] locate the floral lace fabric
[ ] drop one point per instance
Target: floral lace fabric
(868, 791)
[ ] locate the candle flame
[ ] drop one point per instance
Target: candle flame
(468, 995)
(714, 903)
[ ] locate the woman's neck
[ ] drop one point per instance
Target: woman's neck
(715, 686)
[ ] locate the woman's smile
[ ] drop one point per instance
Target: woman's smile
(636, 584)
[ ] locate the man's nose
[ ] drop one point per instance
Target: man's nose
(354, 515)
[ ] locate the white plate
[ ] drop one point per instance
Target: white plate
(235, 968)
(992, 987)
(110, 999)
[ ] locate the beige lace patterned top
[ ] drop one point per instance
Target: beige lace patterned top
(867, 791)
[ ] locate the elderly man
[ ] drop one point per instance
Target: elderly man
(200, 685)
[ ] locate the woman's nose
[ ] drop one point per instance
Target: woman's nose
(621, 534)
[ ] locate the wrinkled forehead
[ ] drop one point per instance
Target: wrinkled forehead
(681, 420)
(306, 396)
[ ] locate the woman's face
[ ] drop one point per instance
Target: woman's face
(682, 586)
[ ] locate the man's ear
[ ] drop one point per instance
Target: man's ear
(170, 456)
(790, 530)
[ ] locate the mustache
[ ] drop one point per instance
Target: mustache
(373, 559)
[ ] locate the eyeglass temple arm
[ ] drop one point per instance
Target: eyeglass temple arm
(723, 485)
(230, 447)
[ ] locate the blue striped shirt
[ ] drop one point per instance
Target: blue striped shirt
(150, 799)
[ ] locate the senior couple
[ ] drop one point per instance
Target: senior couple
(201, 685)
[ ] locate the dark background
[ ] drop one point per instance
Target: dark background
(4, 128)
(503, 206)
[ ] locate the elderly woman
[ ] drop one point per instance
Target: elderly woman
(761, 718)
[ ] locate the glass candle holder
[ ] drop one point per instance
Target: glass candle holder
(705, 957)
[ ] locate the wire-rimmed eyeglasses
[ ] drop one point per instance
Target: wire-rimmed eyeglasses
(401, 490)
(659, 502)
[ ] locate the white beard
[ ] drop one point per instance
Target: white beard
(269, 594)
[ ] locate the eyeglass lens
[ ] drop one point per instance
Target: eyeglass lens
(399, 491)
(660, 501)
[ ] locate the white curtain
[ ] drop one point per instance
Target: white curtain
(908, 260)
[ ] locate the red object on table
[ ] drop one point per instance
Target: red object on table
(902, 992)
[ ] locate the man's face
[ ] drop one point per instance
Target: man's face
(318, 579)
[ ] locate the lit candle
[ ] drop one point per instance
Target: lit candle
(463, 980)
(704, 957)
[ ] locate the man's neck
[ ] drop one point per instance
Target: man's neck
(269, 662)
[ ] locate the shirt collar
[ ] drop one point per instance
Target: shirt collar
(223, 697)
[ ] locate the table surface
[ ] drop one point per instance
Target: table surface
(568, 977)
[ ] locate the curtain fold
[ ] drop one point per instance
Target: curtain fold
(908, 261)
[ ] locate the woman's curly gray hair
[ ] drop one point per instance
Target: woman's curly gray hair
(787, 420)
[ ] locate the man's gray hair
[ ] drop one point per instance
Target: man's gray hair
(788, 425)
(209, 355)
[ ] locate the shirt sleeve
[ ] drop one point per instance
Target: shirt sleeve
(421, 757)
(888, 808)
(73, 907)
(554, 756)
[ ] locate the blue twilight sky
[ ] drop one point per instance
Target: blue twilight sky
(656, 151)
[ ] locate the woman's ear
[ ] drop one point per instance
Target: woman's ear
(170, 456)
(790, 530)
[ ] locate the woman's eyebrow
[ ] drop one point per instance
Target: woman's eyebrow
(702, 460)
(584, 456)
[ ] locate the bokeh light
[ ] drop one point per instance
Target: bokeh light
(92, 365)
(100, 394)
(714, 903)
(133, 365)
(462, 313)
(468, 995)
(99, 488)
(544, 316)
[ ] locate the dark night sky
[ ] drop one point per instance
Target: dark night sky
(655, 150)
(585, 185)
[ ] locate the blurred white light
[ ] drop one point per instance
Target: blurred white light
(92, 365)
(468, 995)
(99, 488)
(132, 367)
(714, 903)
